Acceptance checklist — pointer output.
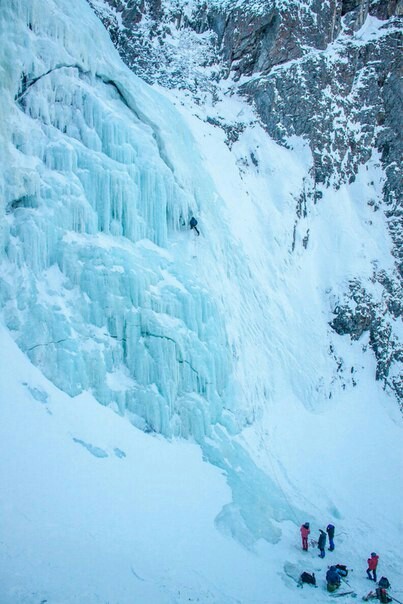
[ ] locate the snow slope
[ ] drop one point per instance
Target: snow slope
(94, 510)
(222, 339)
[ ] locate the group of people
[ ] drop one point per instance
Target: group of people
(336, 573)
(305, 532)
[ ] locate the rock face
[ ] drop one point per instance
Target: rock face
(254, 44)
(325, 71)
(365, 315)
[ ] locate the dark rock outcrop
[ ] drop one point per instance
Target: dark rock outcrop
(360, 314)
(354, 95)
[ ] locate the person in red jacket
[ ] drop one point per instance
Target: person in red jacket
(372, 564)
(304, 530)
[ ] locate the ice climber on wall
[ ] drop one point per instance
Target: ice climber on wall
(193, 223)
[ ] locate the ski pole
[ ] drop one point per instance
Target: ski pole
(394, 599)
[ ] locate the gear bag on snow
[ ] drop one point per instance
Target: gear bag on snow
(342, 570)
(308, 578)
(382, 595)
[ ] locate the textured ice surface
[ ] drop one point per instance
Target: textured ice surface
(103, 284)
(98, 188)
(106, 289)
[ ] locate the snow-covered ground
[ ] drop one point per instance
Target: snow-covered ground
(223, 339)
(94, 510)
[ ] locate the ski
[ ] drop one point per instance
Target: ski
(344, 593)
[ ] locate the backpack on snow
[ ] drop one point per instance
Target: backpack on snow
(343, 571)
(383, 582)
(308, 578)
(382, 595)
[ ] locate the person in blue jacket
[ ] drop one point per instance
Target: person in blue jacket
(333, 579)
(330, 534)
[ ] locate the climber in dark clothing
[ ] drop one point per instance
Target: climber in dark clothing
(333, 579)
(322, 543)
(193, 223)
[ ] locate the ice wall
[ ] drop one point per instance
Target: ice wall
(95, 193)
(102, 283)
(106, 289)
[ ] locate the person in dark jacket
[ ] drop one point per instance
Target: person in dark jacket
(330, 534)
(322, 543)
(333, 579)
(193, 223)
(372, 564)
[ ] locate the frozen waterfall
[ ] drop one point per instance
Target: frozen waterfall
(104, 179)
(103, 284)
(107, 290)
